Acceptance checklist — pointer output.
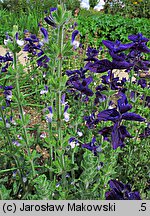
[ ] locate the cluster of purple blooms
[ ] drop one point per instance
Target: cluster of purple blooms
(120, 191)
(116, 133)
(7, 91)
(121, 60)
(78, 84)
(34, 46)
(5, 62)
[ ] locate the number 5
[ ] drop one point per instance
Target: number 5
(143, 207)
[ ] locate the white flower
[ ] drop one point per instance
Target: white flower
(16, 143)
(75, 44)
(7, 125)
(80, 133)
(20, 42)
(72, 144)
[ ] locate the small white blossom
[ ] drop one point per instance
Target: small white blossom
(20, 42)
(66, 117)
(80, 134)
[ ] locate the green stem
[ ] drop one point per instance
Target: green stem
(60, 45)
(22, 114)
(51, 152)
(58, 101)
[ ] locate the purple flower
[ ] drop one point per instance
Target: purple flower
(139, 43)
(142, 83)
(50, 115)
(74, 42)
(45, 33)
(33, 44)
(117, 56)
(81, 73)
(132, 117)
(106, 132)
(73, 142)
(91, 54)
(8, 39)
(117, 46)
(91, 121)
(8, 94)
(109, 115)
(118, 132)
(138, 38)
(50, 19)
(7, 57)
(82, 86)
(99, 66)
(118, 135)
(146, 132)
(104, 65)
(63, 99)
(123, 104)
(45, 91)
(74, 34)
(123, 107)
(147, 101)
(42, 59)
(66, 114)
(120, 191)
(113, 82)
(99, 97)
(92, 147)
(16, 143)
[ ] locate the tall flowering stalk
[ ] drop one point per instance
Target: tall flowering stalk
(58, 95)
(14, 46)
(57, 19)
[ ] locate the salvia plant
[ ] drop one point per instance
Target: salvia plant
(73, 131)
